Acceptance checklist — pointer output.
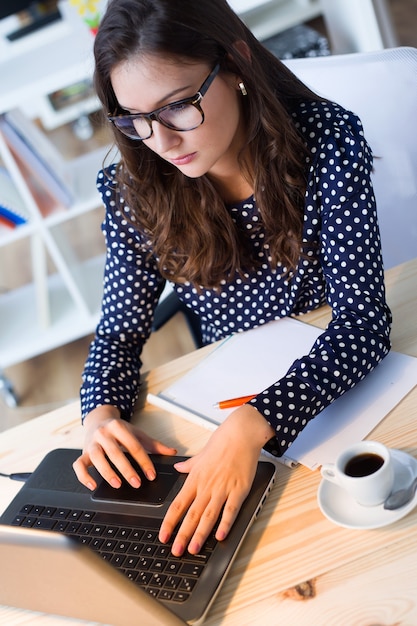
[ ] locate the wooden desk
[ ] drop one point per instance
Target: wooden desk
(295, 567)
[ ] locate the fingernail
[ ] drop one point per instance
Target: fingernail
(115, 482)
(150, 475)
(194, 547)
(90, 486)
(163, 537)
(135, 482)
(177, 549)
(220, 535)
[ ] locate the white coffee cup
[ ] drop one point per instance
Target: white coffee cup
(365, 470)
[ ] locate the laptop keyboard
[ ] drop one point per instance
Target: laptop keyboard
(122, 540)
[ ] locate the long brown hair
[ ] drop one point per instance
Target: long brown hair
(192, 233)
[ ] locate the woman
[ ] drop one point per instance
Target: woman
(252, 195)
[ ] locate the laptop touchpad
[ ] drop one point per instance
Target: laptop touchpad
(153, 492)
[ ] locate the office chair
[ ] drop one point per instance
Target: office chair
(169, 305)
(380, 87)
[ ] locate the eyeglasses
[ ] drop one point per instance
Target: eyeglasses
(182, 115)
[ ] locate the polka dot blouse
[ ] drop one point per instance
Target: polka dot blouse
(343, 267)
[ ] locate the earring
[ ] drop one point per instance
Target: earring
(242, 88)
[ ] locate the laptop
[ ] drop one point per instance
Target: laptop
(96, 556)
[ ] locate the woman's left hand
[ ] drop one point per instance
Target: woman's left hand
(220, 475)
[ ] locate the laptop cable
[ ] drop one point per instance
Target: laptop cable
(22, 476)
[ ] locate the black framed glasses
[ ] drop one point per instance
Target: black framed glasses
(182, 115)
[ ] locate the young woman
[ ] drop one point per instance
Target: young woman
(252, 196)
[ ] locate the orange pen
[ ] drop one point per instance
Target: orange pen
(234, 402)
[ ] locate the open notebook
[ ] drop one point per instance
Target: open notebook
(247, 362)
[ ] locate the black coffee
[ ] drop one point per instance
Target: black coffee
(363, 464)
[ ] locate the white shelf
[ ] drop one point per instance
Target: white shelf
(51, 118)
(26, 337)
(8, 236)
(268, 18)
(85, 170)
(82, 172)
(50, 34)
(58, 308)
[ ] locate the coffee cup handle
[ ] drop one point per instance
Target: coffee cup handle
(328, 472)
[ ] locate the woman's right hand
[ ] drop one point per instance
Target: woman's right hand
(106, 435)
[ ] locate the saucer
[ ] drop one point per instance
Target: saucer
(339, 507)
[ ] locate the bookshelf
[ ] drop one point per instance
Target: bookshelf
(61, 302)
(58, 300)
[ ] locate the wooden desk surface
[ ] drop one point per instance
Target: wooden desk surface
(295, 567)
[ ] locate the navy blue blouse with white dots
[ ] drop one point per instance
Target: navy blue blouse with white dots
(343, 267)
